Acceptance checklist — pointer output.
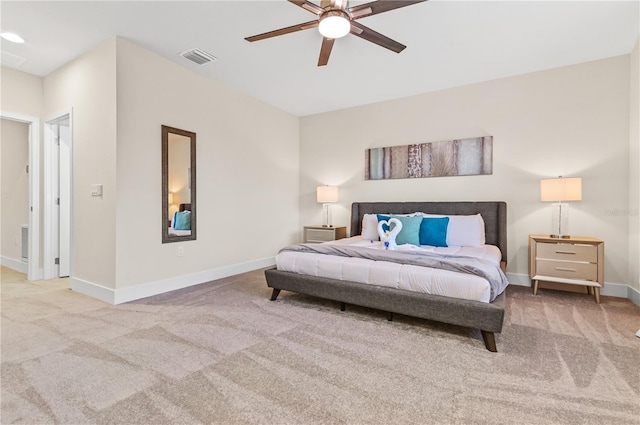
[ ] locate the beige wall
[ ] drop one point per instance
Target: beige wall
(120, 95)
(571, 121)
(14, 186)
(21, 93)
(634, 167)
(575, 121)
(88, 85)
(247, 170)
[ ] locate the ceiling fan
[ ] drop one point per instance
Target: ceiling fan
(336, 19)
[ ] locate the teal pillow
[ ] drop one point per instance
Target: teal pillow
(433, 231)
(410, 232)
(183, 221)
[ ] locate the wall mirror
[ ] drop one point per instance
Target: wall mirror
(178, 185)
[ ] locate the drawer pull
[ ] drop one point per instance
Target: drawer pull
(565, 252)
(565, 269)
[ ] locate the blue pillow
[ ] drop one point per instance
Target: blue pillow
(173, 220)
(433, 231)
(385, 227)
(410, 232)
(183, 221)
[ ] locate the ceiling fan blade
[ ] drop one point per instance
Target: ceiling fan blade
(376, 7)
(282, 31)
(306, 5)
(368, 34)
(325, 51)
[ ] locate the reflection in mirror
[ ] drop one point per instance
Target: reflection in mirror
(178, 185)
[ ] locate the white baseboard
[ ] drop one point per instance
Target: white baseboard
(615, 290)
(132, 293)
(13, 264)
(610, 289)
(92, 290)
(519, 279)
(634, 295)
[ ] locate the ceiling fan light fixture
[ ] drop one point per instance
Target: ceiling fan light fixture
(334, 24)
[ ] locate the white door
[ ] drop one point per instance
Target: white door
(55, 188)
(58, 194)
(64, 193)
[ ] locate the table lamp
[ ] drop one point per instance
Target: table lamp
(326, 195)
(557, 191)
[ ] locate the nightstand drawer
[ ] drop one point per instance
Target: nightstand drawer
(567, 269)
(567, 252)
(317, 235)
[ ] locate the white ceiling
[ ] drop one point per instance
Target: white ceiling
(450, 43)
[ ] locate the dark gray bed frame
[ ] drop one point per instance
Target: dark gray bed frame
(488, 317)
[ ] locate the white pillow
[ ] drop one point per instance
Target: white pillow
(370, 227)
(464, 230)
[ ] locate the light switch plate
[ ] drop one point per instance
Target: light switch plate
(96, 190)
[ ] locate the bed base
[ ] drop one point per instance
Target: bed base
(488, 317)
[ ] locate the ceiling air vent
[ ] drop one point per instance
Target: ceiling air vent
(11, 60)
(198, 56)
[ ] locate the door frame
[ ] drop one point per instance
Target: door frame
(49, 240)
(34, 271)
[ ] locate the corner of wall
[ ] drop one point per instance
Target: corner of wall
(634, 166)
(88, 85)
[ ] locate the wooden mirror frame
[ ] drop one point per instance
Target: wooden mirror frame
(166, 238)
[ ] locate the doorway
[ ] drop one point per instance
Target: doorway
(58, 160)
(34, 270)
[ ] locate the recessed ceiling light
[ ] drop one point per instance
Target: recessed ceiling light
(12, 37)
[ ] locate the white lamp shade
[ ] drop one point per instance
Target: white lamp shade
(170, 198)
(327, 194)
(561, 189)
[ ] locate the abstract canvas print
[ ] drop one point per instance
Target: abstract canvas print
(462, 157)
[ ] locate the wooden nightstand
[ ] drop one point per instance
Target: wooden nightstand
(577, 260)
(324, 234)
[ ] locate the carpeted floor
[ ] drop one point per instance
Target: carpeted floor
(222, 353)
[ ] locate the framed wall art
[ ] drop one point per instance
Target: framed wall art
(461, 157)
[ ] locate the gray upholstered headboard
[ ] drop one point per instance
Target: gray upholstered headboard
(494, 214)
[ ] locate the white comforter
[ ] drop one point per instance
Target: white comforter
(174, 232)
(400, 276)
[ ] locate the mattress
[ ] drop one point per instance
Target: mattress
(394, 275)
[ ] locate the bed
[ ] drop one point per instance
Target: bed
(486, 316)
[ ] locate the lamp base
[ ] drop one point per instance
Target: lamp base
(327, 215)
(560, 220)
